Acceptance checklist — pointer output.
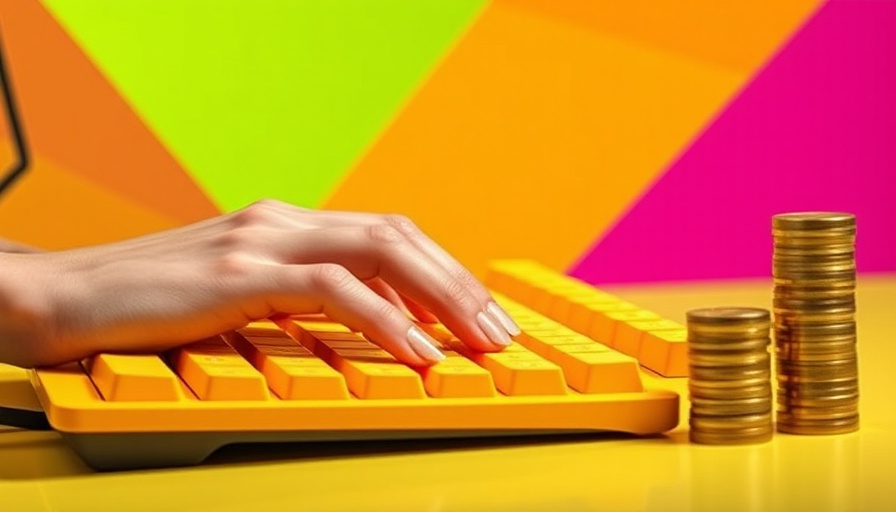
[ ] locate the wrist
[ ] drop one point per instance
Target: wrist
(24, 314)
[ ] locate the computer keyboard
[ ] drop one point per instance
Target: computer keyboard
(307, 378)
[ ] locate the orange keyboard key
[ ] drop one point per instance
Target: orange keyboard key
(457, 377)
(298, 326)
(369, 371)
(584, 371)
(595, 371)
(125, 377)
(604, 323)
(291, 370)
(517, 371)
(541, 341)
(264, 328)
(582, 314)
(572, 309)
(629, 334)
(665, 352)
(215, 371)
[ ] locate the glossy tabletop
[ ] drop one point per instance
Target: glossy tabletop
(791, 473)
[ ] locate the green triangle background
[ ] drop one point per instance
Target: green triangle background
(266, 98)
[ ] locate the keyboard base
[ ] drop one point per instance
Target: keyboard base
(135, 451)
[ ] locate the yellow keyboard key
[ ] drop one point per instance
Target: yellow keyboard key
(598, 372)
(457, 377)
(262, 328)
(215, 371)
(572, 311)
(123, 377)
(630, 333)
(518, 372)
(291, 370)
(604, 324)
(665, 352)
(369, 371)
(541, 341)
(584, 371)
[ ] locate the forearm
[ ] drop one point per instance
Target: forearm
(16, 247)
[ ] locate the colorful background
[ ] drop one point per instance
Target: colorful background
(620, 141)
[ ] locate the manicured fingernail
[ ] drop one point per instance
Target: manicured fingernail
(423, 345)
(493, 329)
(502, 316)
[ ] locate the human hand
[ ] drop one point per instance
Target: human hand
(162, 290)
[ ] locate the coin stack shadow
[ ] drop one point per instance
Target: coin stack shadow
(730, 375)
(814, 272)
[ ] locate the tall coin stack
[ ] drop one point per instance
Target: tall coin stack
(730, 375)
(814, 272)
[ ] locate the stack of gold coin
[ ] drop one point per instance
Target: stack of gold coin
(814, 270)
(730, 375)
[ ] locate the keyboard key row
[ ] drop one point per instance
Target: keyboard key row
(658, 343)
(315, 359)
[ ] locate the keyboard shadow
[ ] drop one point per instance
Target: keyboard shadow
(44, 455)
(250, 453)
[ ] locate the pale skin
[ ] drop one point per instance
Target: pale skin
(378, 274)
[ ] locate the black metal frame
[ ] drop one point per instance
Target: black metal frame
(19, 167)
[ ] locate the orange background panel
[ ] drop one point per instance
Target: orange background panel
(532, 138)
(54, 208)
(72, 115)
(739, 35)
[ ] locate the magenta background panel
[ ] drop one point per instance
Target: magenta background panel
(815, 130)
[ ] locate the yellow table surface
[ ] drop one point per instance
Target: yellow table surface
(853, 472)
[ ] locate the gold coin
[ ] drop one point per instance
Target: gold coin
(800, 378)
(833, 247)
(734, 361)
(732, 333)
(811, 293)
(700, 344)
(831, 329)
(722, 333)
(730, 406)
(821, 413)
(790, 344)
(813, 220)
(814, 272)
(785, 417)
(797, 239)
(784, 337)
(849, 362)
(729, 384)
(803, 356)
(820, 402)
(709, 423)
(784, 319)
(817, 237)
(730, 439)
(779, 234)
(752, 391)
(843, 278)
(820, 389)
(822, 254)
(727, 315)
(816, 260)
(722, 374)
(814, 304)
(811, 430)
(812, 310)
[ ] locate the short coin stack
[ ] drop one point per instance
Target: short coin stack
(815, 330)
(730, 375)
